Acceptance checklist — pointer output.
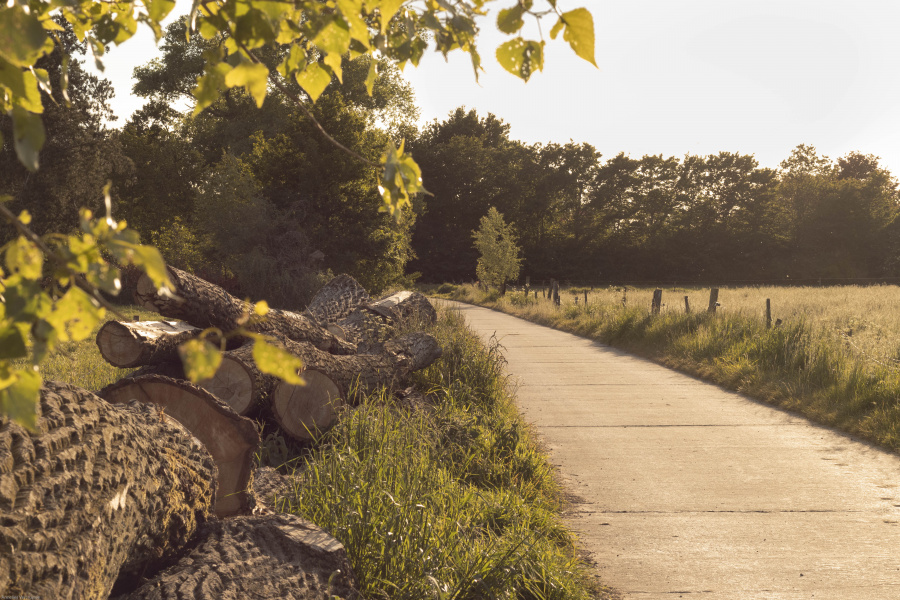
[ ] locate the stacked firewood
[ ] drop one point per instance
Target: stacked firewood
(114, 486)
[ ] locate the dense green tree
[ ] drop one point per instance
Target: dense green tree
(80, 153)
(840, 214)
(495, 241)
(470, 163)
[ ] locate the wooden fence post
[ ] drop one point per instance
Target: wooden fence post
(624, 296)
(687, 305)
(657, 301)
(768, 313)
(585, 297)
(713, 300)
(556, 299)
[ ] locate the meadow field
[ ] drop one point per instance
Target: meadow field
(834, 357)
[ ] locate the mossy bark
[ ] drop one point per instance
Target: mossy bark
(337, 299)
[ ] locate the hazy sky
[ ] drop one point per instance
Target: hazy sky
(677, 77)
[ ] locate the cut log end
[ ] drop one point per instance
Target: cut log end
(126, 345)
(231, 439)
(117, 345)
(308, 410)
(234, 384)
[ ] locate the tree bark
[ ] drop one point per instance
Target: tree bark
(96, 490)
(374, 322)
(128, 345)
(331, 381)
(268, 556)
(203, 304)
(231, 439)
(336, 300)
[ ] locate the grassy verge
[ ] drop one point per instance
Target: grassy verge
(800, 366)
(447, 497)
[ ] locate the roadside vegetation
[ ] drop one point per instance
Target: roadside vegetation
(445, 495)
(835, 356)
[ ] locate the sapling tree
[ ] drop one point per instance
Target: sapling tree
(309, 40)
(495, 240)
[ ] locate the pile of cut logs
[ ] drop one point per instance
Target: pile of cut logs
(123, 492)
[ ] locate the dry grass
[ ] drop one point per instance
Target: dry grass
(834, 358)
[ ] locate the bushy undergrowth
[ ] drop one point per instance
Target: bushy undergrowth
(445, 498)
(802, 365)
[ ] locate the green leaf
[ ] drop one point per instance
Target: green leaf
(210, 85)
(28, 135)
(521, 57)
(201, 359)
(557, 28)
(24, 257)
(388, 8)
(154, 266)
(75, 315)
(313, 79)
(372, 76)
(23, 85)
(276, 361)
(333, 60)
(580, 33)
(22, 37)
(351, 9)
(253, 76)
(294, 61)
(254, 30)
(334, 38)
(12, 344)
(401, 178)
(20, 399)
(43, 81)
(159, 9)
(509, 20)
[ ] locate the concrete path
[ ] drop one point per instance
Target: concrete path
(684, 490)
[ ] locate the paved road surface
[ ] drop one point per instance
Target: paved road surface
(684, 490)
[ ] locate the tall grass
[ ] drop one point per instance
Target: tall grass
(447, 498)
(833, 357)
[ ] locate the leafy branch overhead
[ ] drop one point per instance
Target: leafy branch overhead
(313, 37)
(50, 286)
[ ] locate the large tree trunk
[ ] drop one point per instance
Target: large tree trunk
(203, 304)
(241, 384)
(269, 556)
(303, 411)
(127, 345)
(231, 439)
(336, 300)
(373, 323)
(96, 490)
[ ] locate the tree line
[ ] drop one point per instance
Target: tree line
(697, 218)
(256, 200)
